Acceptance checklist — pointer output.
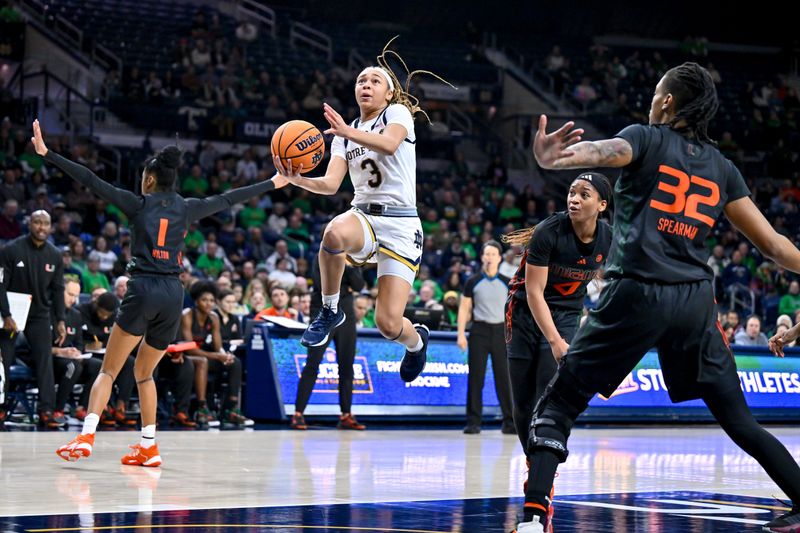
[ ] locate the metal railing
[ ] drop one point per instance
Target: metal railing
(742, 297)
(73, 104)
(316, 40)
(459, 120)
(265, 15)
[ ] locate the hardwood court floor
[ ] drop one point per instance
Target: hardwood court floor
(688, 478)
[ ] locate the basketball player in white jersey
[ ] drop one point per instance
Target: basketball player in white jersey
(383, 226)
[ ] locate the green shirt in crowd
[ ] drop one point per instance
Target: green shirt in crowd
(252, 217)
(789, 304)
(91, 281)
(212, 266)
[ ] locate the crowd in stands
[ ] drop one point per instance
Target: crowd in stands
(210, 77)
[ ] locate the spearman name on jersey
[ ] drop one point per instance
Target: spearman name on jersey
(378, 178)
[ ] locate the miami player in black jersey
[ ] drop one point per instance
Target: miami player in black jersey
(150, 313)
(564, 253)
(673, 186)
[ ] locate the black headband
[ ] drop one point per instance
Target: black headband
(600, 183)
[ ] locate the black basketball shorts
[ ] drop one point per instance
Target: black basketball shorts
(634, 316)
(152, 307)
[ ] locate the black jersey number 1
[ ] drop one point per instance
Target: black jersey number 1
(374, 170)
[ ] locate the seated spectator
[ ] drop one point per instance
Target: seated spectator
(584, 92)
(200, 55)
(510, 264)
(98, 318)
(732, 321)
(70, 272)
(202, 326)
(256, 303)
(280, 305)
(62, 235)
(274, 112)
(736, 274)
(92, 278)
(790, 303)
(208, 263)
(364, 307)
(68, 365)
(9, 220)
(106, 256)
(281, 252)
(426, 296)
(230, 324)
(301, 302)
(783, 321)
(246, 31)
(251, 215)
(450, 318)
(751, 335)
(121, 287)
(96, 293)
(282, 275)
(247, 168)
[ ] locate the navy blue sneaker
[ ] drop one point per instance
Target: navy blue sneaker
(786, 523)
(321, 327)
(413, 363)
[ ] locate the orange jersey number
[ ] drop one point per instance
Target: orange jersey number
(683, 203)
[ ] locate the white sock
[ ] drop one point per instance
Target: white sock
(331, 301)
(148, 436)
(417, 346)
(90, 424)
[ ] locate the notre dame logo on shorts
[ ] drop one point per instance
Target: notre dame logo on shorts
(418, 239)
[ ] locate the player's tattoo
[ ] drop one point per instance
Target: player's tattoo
(607, 153)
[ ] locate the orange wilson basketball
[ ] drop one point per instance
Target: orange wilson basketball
(299, 141)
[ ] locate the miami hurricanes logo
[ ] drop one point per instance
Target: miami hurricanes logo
(49, 267)
(599, 258)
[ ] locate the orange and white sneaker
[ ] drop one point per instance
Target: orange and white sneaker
(80, 446)
(142, 456)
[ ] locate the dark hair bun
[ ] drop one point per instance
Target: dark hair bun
(170, 156)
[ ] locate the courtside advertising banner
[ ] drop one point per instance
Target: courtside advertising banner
(767, 381)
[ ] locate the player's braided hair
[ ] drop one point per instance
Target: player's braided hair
(695, 99)
(402, 93)
(520, 237)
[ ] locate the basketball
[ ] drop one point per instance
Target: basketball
(298, 141)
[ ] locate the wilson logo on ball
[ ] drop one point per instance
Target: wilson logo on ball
(308, 142)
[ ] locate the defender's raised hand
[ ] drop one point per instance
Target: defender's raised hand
(552, 149)
(37, 140)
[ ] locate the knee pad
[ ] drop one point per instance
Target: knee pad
(550, 432)
(555, 413)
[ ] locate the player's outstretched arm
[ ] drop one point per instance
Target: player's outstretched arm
(562, 149)
(198, 208)
(747, 218)
(128, 202)
(327, 184)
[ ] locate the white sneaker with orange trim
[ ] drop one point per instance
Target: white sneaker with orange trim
(80, 446)
(530, 527)
(142, 456)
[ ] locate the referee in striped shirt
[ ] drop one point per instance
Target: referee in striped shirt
(483, 302)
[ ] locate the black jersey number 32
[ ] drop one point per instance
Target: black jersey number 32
(374, 170)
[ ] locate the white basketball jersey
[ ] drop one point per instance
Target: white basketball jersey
(378, 178)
